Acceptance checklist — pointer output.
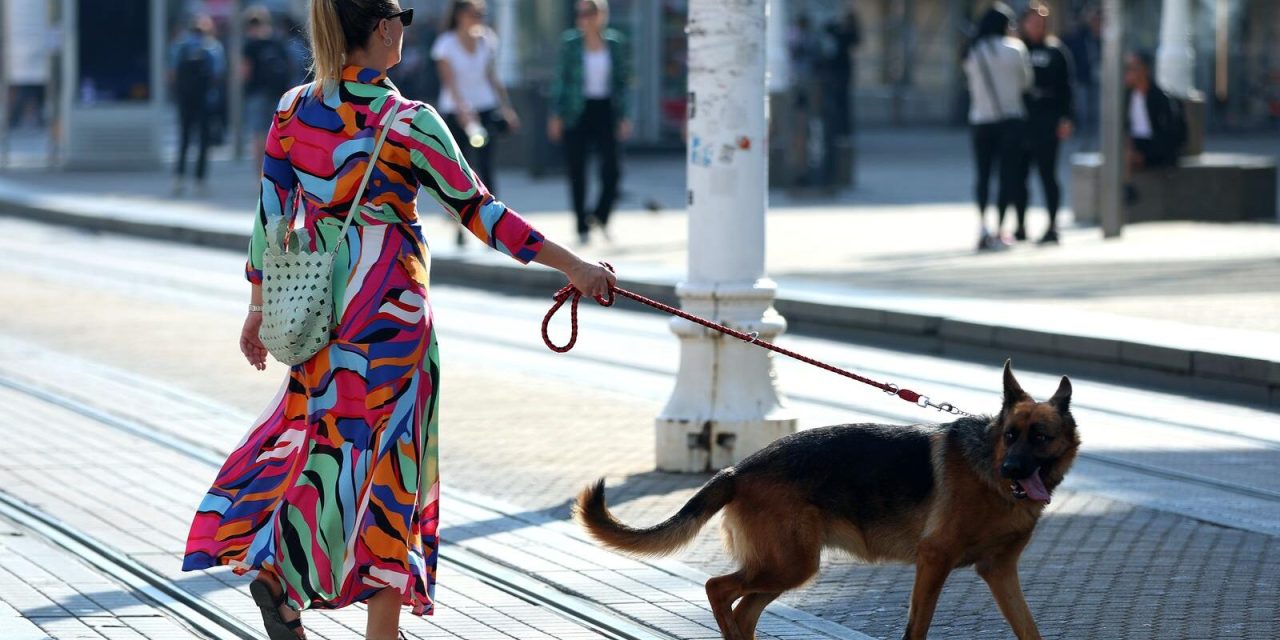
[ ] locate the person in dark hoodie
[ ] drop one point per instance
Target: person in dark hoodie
(1050, 117)
(1153, 121)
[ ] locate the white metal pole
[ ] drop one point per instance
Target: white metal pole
(1111, 204)
(1176, 58)
(726, 403)
(777, 58)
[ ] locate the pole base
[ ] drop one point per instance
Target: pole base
(685, 446)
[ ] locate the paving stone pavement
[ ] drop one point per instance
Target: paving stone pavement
(1138, 573)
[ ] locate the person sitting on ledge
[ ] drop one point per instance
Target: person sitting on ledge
(1153, 122)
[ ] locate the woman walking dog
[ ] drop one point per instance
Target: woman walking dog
(332, 497)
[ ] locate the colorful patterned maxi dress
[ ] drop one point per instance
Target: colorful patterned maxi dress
(335, 489)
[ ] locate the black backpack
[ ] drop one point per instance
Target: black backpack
(272, 70)
(194, 73)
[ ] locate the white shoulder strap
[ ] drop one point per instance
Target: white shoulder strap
(387, 118)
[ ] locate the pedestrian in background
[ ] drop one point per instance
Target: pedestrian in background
(589, 110)
(473, 101)
(1085, 44)
(267, 73)
(1050, 117)
(333, 496)
(197, 65)
(295, 38)
(836, 44)
(1154, 123)
(999, 72)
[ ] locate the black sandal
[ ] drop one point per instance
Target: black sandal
(269, 606)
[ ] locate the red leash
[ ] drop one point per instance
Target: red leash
(569, 291)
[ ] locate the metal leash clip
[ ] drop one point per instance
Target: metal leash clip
(947, 407)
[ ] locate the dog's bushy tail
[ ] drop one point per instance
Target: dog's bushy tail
(661, 539)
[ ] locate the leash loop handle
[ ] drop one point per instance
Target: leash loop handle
(565, 294)
(569, 292)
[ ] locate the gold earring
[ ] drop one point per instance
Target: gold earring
(387, 41)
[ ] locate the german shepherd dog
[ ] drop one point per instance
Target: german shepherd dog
(940, 496)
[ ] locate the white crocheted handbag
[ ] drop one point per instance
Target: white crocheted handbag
(297, 284)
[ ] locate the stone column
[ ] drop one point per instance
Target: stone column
(726, 403)
(1176, 57)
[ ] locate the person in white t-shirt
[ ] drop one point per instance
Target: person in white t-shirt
(999, 73)
(472, 99)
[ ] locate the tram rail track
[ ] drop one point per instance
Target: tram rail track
(192, 611)
(217, 624)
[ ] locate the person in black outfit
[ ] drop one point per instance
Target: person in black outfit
(1050, 117)
(1154, 123)
(836, 44)
(267, 73)
(197, 63)
(1085, 45)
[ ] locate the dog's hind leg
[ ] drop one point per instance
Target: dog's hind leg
(748, 611)
(791, 563)
(1001, 574)
(722, 592)
(932, 569)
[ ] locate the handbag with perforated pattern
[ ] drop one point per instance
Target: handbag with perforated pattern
(297, 284)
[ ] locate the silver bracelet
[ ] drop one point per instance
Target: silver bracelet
(255, 308)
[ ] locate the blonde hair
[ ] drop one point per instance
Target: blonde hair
(338, 26)
(328, 45)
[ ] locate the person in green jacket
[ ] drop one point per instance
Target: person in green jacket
(589, 106)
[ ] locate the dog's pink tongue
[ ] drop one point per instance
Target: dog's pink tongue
(1035, 488)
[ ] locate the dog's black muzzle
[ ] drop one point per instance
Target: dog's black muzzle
(1018, 467)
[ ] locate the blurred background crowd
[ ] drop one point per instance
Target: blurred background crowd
(894, 62)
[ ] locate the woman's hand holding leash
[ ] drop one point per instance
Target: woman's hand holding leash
(591, 279)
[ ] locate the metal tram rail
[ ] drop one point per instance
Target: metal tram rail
(217, 624)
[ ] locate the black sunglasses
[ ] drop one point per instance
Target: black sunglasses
(406, 16)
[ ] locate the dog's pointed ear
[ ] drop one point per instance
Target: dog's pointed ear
(1013, 393)
(1061, 399)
